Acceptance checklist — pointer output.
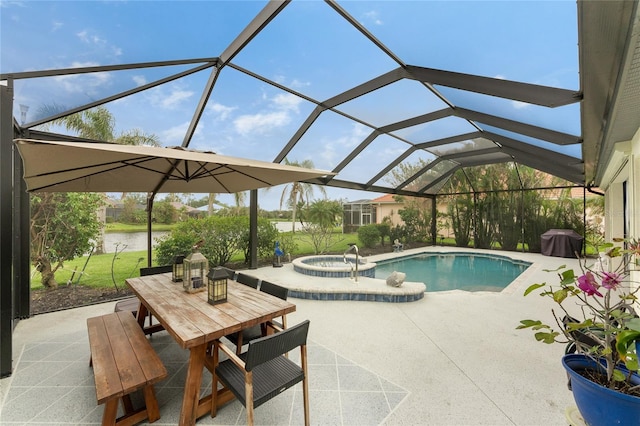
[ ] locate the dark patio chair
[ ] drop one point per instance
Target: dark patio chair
(279, 292)
(131, 303)
(263, 372)
(248, 334)
(230, 272)
(249, 280)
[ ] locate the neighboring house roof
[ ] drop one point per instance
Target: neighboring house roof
(362, 201)
(386, 198)
(179, 206)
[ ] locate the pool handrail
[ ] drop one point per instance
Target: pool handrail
(352, 247)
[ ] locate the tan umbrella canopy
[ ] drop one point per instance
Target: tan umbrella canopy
(101, 167)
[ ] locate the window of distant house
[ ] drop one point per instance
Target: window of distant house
(358, 214)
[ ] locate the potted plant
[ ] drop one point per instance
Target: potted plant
(595, 318)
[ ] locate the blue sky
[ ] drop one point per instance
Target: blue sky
(308, 48)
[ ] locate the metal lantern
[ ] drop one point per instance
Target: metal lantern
(177, 271)
(195, 267)
(217, 286)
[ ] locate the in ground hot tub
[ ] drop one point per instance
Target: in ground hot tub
(333, 266)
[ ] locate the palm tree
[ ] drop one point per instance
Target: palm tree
(210, 202)
(240, 199)
(297, 192)
(97, 123)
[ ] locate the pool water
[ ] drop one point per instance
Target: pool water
(449, 271)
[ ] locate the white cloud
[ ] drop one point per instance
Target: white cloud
(297, 84)
(83, 83)
(176, 97)
(56, 26)
(282, 106)
(84, 64)
(260, 123)
(331, 154)
(287, 101)
(221, 112)
(85, 37)
(500, 77)
(373, 17)
(520, 105)
(139, 80)
(169, 98)
(175, 135)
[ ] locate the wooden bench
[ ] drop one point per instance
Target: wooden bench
(123, 362)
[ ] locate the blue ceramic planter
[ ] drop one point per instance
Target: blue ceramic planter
(599, 405)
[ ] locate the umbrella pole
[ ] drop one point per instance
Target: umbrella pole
(253, 229)
(150, 197)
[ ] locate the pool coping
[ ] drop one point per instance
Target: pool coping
(376, 290)
(365, 268)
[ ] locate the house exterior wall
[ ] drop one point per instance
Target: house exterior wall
(634, 197)
(390, 210)
(623, 180)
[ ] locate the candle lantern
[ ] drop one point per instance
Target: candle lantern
(177, 271)
(217, 286)
(195, 272)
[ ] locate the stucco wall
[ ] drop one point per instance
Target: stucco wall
(634, 211)
(630, 173)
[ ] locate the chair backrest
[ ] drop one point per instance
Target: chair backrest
(274, 289)
(272, 346)
(230, 272)
(163, 269)
(247, 280)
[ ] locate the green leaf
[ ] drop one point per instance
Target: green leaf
(568, 277)
(619, 376)
(632, 364)
(614, 252)
(555, 270)
(533, 287)
(572, 326)
(560, 295)
(625, 343)
(546, 337)
(528, 323)
(633, 324)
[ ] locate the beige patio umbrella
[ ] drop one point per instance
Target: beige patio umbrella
(101, 167)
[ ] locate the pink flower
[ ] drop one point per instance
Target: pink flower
(611, 280)
(588, 284)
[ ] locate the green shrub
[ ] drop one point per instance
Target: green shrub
(369, 235)
(267, 237)
(176, 243)
(288, 244)
(222, 237)
(385, 231)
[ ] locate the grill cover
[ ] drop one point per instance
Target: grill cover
(561, 243)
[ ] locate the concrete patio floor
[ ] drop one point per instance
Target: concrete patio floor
(451, 358)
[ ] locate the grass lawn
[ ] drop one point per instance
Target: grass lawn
(109, 271)
(106, 269)
(125, 227)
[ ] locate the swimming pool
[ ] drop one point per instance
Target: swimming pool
(450, 271)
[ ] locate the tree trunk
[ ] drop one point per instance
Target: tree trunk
(48, 277)
(294, 210)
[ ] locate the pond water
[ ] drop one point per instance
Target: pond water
(134, 241)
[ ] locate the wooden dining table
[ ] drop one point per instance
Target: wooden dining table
(195, 324)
